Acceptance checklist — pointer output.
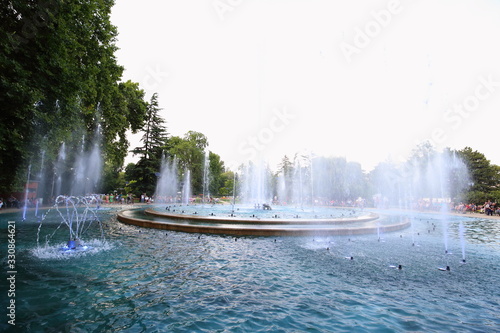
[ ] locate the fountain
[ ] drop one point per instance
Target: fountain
(186, 187)
(78, 211)
(88, 167)
(258, 213)
(290, 207)
(25, 208)
(255, 184)
(167, 185)
(206, 178)
(79, 216)
(345, 268)
(58, 170)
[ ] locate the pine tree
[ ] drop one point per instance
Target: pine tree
(155, 133)
(154, 140)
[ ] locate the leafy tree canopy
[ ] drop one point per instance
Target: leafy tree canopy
(60, 78)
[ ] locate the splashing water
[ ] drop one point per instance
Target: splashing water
(54, 252)
(78, 215)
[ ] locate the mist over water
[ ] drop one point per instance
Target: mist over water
(385, 281)
(88, 168)
(76, 171)
(167, 183)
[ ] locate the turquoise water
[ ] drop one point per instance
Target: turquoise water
(142, 280)
(248, 211)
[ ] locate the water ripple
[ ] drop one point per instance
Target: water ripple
(147, 281)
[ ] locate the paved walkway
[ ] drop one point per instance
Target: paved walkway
(478, 215)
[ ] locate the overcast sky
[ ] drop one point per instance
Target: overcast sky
(365, 80)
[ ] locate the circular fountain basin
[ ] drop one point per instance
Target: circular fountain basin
(245, 221)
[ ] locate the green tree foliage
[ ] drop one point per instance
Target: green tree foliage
(59, 78)
(336, 179)
(286, 170)
(155, 134)
(190, 153)
(142, 176)
(484, 176)
(384, 181)
(217, 180)
(130, 109)
(154, 140)
(228, 184)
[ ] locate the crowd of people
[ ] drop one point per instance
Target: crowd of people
(11, 202)
(117, 198)
(489, 208)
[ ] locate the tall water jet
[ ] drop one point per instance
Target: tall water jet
(58, 170)
(79, 170)
(234, 190)
(281, 188)
(206, 177)
(436, 180)
(167, 184)
(26, 193)
(311, 181)
(303, 182)
(186, 187)
(95, 162)
(42, 183)
(298, 186)
(284, 184)
(255, 188)
(88, 167)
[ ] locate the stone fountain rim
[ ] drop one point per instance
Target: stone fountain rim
(245, 231)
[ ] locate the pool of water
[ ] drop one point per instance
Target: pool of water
(145, 280)
(248, 211)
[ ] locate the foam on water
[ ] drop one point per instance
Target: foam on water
(54, 251)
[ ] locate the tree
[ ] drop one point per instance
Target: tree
(155, 133)
(228, 185)
(154, 140)
(484, 177)
(142, 176)
(285, 170)
(386, 179)
(216, 167)
(60, 79)
(190, 153)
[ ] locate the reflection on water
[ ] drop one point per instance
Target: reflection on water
(150, 280)
(483, 231)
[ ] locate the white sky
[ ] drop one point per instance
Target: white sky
(265, 78)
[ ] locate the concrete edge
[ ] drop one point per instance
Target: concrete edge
(162, 225)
